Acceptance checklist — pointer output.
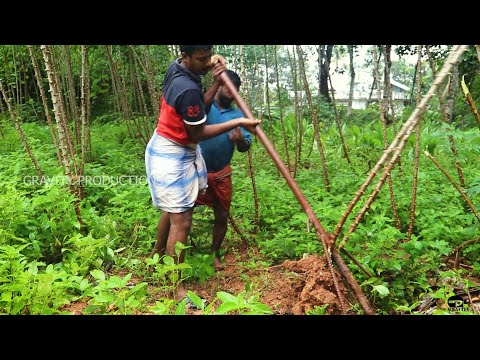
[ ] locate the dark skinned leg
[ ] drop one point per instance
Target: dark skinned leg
(162, 235)
(219, 231)
(180, 225)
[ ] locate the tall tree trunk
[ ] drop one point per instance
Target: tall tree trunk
(298, 128)
(19, 130)
(17, 94)
(256, 73)
(84, 94)
(314, 117)
(123, 101)
(369, 101)
(449, 109)
(115, 89)
(280, 107)
(387, 85)
(72, 95)
(88, 105)
(352, 80)
(323, 71)
(383, 111)
(138, 91)
(58, 110)
(146, 65)
(388, 95)
(452, 92)
(337, 118)
(417, 147)
(63, 109)
(43, 96)
(154, 97)
(267, 97)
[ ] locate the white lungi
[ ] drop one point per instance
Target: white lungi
(176, 174)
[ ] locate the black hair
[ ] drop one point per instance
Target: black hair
(190, 49)
(234, 77)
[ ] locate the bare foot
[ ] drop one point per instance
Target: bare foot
(218, 264)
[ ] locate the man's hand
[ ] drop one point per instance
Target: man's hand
(216, 58)
(237, 138)
(249, 124)
(219, 64)
(235, 135)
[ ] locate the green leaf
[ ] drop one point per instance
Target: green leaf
(381, 289)
(197, 300)
(261, 308)
(226, 307)
(105, 298)
(6, 296)
(226, 297)
(168, 260)
(98, 274)
(116, 282)
(33, 269)
(181, 308)
(84, 284)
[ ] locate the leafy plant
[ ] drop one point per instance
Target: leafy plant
(111, 295)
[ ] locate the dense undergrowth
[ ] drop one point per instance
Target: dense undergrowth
(48, 259)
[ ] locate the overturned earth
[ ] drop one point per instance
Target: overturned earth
(291, 288)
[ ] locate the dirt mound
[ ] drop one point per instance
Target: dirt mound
(309, 284)
(291, 288)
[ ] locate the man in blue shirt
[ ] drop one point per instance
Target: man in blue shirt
(217, 153)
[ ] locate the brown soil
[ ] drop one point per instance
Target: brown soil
(290, 288)
(293, 287)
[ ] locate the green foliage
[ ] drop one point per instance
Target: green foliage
(242, 304)
(168, 273)
(38, 225)
(201, 267)
(239, 304)
(113, 295)
(30, 287)
(318, 310)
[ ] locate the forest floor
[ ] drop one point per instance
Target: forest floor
(290, 288)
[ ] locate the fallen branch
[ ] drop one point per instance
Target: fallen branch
(462, 245)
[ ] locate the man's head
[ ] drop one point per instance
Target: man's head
(197, 58)
(233, 76)
(224, 96)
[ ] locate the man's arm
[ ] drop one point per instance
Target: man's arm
(219, 66)
(204, 131)
(210, 93)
